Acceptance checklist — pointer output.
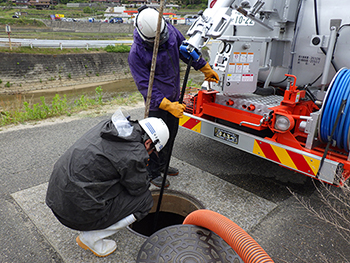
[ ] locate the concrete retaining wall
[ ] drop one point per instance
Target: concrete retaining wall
(28, 72)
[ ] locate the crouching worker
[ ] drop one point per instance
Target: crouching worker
(101, 184)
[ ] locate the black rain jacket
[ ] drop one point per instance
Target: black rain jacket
(101, 179)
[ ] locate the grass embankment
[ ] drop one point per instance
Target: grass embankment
(21, 112)
(49, 51)
(60, 106)
(21, 22)
(57, 51)
(51, 35)
(29, 24)
(68, 12)
(35, 29)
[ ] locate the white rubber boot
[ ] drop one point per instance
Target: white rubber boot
(93, 240)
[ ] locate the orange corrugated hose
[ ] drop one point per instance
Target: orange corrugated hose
(241, 242)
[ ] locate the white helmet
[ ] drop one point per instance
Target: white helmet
(146, 23)
(157, 130)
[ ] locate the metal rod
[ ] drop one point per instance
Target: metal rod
(170, 149)
(329, 57)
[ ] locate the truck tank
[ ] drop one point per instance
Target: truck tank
(311, 39)
(294, 41)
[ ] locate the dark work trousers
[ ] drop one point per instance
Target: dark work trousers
(120, 207)
(157, 164)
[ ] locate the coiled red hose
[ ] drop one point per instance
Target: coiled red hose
(241, 242)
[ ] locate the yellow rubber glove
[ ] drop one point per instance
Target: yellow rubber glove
(175, 108)
(209, 73)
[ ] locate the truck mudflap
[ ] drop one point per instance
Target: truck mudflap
(331, 172)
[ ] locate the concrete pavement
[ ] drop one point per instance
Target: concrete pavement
(246, 189)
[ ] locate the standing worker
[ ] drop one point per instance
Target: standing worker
(100, 184)
(166, 86)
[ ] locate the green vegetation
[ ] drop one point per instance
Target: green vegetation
(61, 107)
(21, 22)
(118, 48)
(57, 51)
(32, 13)
(45, 51)
(193, 4)
(87, 10)
(133, 98)
(19, 32)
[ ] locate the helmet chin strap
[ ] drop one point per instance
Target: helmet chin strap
(164, 35)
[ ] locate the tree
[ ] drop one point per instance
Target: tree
(87, 10)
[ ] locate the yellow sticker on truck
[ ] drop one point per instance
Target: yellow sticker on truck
(287, 158)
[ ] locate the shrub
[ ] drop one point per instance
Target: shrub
(87, 10)
(118, 49)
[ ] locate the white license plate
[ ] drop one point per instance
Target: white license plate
(226, 135)
(241, 20)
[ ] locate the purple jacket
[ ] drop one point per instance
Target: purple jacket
(167, 73)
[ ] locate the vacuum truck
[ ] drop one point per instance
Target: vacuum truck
(284, 82)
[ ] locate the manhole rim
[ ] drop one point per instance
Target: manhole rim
(194, 200)
(188, 197)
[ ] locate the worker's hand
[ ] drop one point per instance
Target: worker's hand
(209, 73)
(175, 108)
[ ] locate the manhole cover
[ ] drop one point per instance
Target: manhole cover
(186, 244)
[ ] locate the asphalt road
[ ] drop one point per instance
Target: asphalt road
(288, 234)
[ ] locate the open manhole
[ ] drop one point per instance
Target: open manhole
(174, 208)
